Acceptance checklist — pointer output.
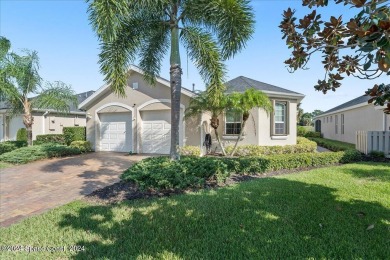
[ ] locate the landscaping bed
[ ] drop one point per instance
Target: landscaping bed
(44, 151)
(128, 190)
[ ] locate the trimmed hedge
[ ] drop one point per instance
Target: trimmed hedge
(83, 146)
(9, 146)
(333, 145)
(190, 150)
(303, 146)
(162, 173)
(34, 153)
(76, 133)
(21, 135)
(49, 139)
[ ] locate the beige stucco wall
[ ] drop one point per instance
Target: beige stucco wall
(136, 99)
(42, 124)
(364, 118)
(258, 128)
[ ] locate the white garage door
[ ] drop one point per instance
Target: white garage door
(156, 132)
(115, 132)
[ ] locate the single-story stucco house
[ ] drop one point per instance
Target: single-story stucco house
(141, 121)
(342, 122)
(46, 121)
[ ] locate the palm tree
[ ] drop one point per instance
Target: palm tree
(202, 103)
(243, 103)
(210, 30)
(19, 79)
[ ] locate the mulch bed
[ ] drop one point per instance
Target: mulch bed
(124, 191)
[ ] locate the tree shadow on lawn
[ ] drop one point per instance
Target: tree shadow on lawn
(261, 219)
(380, 173)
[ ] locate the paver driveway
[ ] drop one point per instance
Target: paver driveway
(33, 188)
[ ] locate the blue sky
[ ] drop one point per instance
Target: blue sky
(68, 49)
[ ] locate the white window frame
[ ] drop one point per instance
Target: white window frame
(286, 118)
(233, 122)
(342, 124)
(336, 124)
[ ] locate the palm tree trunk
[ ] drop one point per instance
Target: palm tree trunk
(219, 141)
(28, 122)
(175, 78)
(239, 137)
(214, 122)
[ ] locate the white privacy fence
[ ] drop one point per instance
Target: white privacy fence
(367, 141)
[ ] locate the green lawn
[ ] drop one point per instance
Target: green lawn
(4, 165)
(336, 212)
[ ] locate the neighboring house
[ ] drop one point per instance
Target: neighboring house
(46, 121)
(141, 121)
(342, 122)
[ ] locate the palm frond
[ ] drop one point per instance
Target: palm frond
(249, 99)
(203, 103)
(105, 16)
(116, 55)
(154, 47)
(5, 46)
(204, 51)
(24, 69)
(231, 21)
(57, 96)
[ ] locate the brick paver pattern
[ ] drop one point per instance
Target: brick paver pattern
(33, 188)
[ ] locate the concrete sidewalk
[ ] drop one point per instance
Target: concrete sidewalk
(33, 188)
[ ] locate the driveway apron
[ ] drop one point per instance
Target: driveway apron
(33, 188)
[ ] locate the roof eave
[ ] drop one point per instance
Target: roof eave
(105, 88)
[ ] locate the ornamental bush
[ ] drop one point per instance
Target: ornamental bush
(76, 133)
(9, 146)
(83, 146)
(190, 150)
(21, 135)
(162, 173)
(38, 152)
(49, 139)
(303, 145)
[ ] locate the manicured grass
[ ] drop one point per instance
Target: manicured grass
(336, 212)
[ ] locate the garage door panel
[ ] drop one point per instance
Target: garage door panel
(115, 132)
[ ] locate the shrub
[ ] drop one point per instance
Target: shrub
(162, 173)
(9, 146)
(83, 146)
(377, 154)
(301, 131)
(50, 138)
(303, 146)
(33, 153)
(332, 145)
(190, 150)
(76, 133)
(21, 135)
(313, 134)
